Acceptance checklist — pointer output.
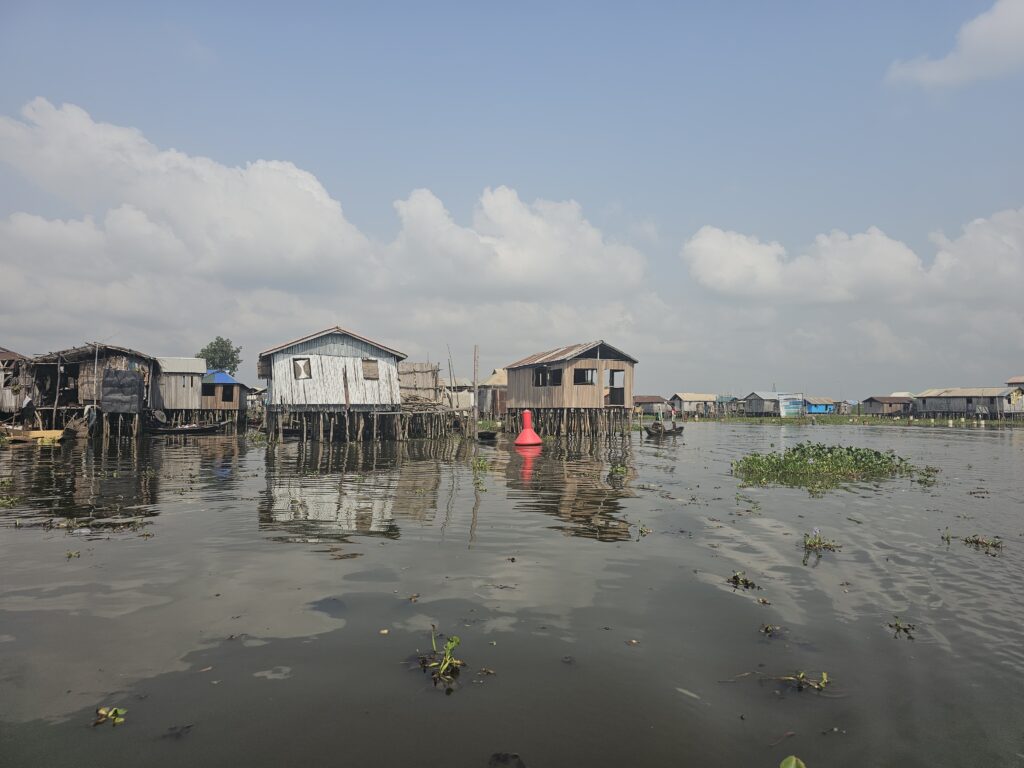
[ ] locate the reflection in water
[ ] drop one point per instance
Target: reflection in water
(582, 483)
(335, 491)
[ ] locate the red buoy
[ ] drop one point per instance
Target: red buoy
(528, 436)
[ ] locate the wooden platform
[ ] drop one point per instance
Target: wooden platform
(31, 435)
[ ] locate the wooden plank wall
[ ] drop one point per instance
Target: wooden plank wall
(216, 403)
(522, 393)
(326, 386)
(178, 391)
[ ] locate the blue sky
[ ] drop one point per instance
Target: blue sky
(776, 120)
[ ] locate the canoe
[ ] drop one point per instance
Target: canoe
(663, 432)
(487, 436)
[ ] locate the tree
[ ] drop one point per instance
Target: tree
(220, 354)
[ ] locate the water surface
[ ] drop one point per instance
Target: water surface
(232, 596)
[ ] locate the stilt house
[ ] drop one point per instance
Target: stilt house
(223, 397)
(568, 388)
(179, 387)
(117, 380)
(887, 405)
(12, 387)
(333, 381)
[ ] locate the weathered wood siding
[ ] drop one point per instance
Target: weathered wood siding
(216, 402)
(758, 407)
(334, 359)
(178, 391)
(89, 370)
(326, 386)
(522, 393)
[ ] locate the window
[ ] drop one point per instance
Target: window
(209, 390)
(584, 376)
(301, 368)
(371, 371)
(547, 377)
(227, 393)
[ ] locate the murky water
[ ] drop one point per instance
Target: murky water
(232, 598)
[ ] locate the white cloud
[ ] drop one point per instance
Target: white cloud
(990, 45)
(170, 249)
(837, 267)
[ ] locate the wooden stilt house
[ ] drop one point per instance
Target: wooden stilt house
(12, 386)
(178, 392)
(223, 397)
(333, 385)
(579, 389)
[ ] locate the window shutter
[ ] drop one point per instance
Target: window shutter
(371, 370)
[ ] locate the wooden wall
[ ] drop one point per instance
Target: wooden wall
(178, 391)
(216, 402)
(522, 393)
(326, 386)
(115, 361)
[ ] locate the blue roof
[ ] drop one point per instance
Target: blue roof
(214, 376)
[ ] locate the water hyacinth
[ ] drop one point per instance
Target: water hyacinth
(820, 467)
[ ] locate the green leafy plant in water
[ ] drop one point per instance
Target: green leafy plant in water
(480, 464)
(740, 581)
(899, 628)
(800, 681)
(815, 542)
(113, 715)
(990, 546)
(8, 501)
(70, 554)
(618, 469)
(792, 762)
(820, 467)
(442, 665)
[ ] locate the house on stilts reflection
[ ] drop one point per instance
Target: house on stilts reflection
(580, 389)
(335, 385)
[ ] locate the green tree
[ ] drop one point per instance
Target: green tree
(222, 355)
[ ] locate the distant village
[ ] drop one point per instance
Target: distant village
(335, 385)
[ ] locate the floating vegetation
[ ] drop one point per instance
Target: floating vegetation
(815, 542)
(71, 554)
(792, 762)
(8, 501)
(763, 601)
(986, 545)
(113, 715)
(800, 681)
(770, 629)
(442, 665)
(480, 467)
(899, 628)
(819, 467)
(618, 469)
(739, 580)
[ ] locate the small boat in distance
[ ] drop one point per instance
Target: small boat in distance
(657, 429)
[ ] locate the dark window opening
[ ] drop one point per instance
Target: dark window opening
(547, 377)
(616, 378)
(584, 376)
(301, 368)
(371, 369)
(209, 390)
(227, 393)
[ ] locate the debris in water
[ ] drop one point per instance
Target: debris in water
(442, 665)
(740, 581)
(114, 714)
(691, 694)
(898, 628)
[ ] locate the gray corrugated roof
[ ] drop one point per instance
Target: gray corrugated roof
(763, 395)
(566, 353)
(968, 392)
(182, 364)
(325, 332)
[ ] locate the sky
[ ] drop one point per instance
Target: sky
(815, 197)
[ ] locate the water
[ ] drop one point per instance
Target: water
(232, 598)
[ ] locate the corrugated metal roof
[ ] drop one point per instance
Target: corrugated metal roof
(968, 392)
(8, 354)
(182, 364)
(763, 395)
(87, 352)
(221, 377)
(890, 399)
(1015, 381)
(327, 331)
(566, 353)
(819, 400)
(695, 397)
(645, 399)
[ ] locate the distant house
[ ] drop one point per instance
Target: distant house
(819, 405)
(179, 386)
(223, 393)
(1015, 381)
(12, 387)
(971, 402)
(458, 394)
(696, 403)
(561, 384)
(650, 404)
(256, 399)
(493, 392)
(887, 405)
(760, 403)
(727, 405)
